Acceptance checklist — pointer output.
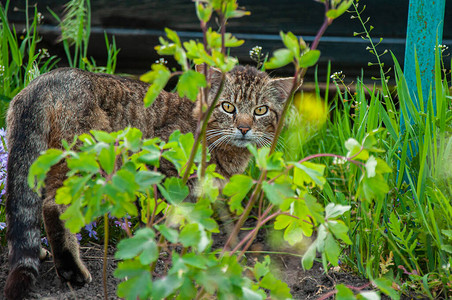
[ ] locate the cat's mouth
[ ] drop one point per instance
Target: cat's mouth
(242, 142)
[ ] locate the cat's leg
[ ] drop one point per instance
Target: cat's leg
(65, 248)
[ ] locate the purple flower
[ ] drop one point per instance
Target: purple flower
(3, 162)
(92, 233)
(79, 237)
(2, 225)
(45, 241)
(123, 224)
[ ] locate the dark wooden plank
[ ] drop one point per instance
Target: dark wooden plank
(137, 24)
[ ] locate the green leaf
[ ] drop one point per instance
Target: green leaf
(121, 200)
(344, 293)
(340, 230)
(281, 57)
(208, 187)
(163, 287)
(172, 36)
(107, 159)
(308, 257)
(278, 289)
(291, 42)
(371, 164)
(447, 233)
(374, 188)
(196, 261)
(124, 180)
(158, 78)
(103, 136)
(369, 295)
(261, 268)
(249, 294)
(72, 189)
(203, 11)
(180, 146)
(141, 245)
(332, 250)
(189, 84)
(335, 210)
(40, 167)
(85, 162)
(277, 192)
(169, 233)
(145, 179)
(150, 154)
(339, 11)
(293, 233)
(73, 216)
(385, 285)
(174, 190)
(316, 210)
(139, 280)
(309, 173)
(132, 139)
(190, 235)
(309, 58)
(237, 188)
(382, 166)
(354, 148)
(296, 222)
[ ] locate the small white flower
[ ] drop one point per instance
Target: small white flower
(161, 61)
(339, 160)
(337, 75)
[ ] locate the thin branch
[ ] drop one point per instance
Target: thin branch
(201, 131)
(327, 22)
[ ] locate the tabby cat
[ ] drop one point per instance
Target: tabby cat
(68, 102)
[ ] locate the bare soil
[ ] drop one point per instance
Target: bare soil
(311, 284)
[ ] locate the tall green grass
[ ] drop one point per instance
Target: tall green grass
(407, 237)
(20, 59)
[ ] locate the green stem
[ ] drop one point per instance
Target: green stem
(202, 131)
(246, 212)
(104, 271)
(287, 104)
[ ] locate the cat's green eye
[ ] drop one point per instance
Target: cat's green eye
(261, 110)
(228, 107)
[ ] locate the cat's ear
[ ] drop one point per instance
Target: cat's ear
(213, 75)
(282, 87)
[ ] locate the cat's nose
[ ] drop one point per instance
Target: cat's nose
(244, 129)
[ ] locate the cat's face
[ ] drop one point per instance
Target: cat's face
(248, 109)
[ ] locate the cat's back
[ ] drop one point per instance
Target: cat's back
(67, 102)
(75, 101)
(74, 85)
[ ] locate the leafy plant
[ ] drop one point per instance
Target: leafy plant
(97, 185)
(357, 206)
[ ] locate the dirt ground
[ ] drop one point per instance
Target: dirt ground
(311, 284)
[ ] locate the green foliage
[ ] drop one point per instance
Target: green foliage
(342, 187)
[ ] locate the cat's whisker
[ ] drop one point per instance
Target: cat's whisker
(218, 142)
(215, 143)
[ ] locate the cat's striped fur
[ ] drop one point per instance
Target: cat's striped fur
(68, 102)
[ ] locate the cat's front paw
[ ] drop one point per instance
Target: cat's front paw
(75, 276)
(72, 270)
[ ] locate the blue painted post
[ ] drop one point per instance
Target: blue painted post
(425, 25)
(424, 32)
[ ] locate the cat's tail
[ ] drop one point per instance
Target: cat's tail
(27, 137)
